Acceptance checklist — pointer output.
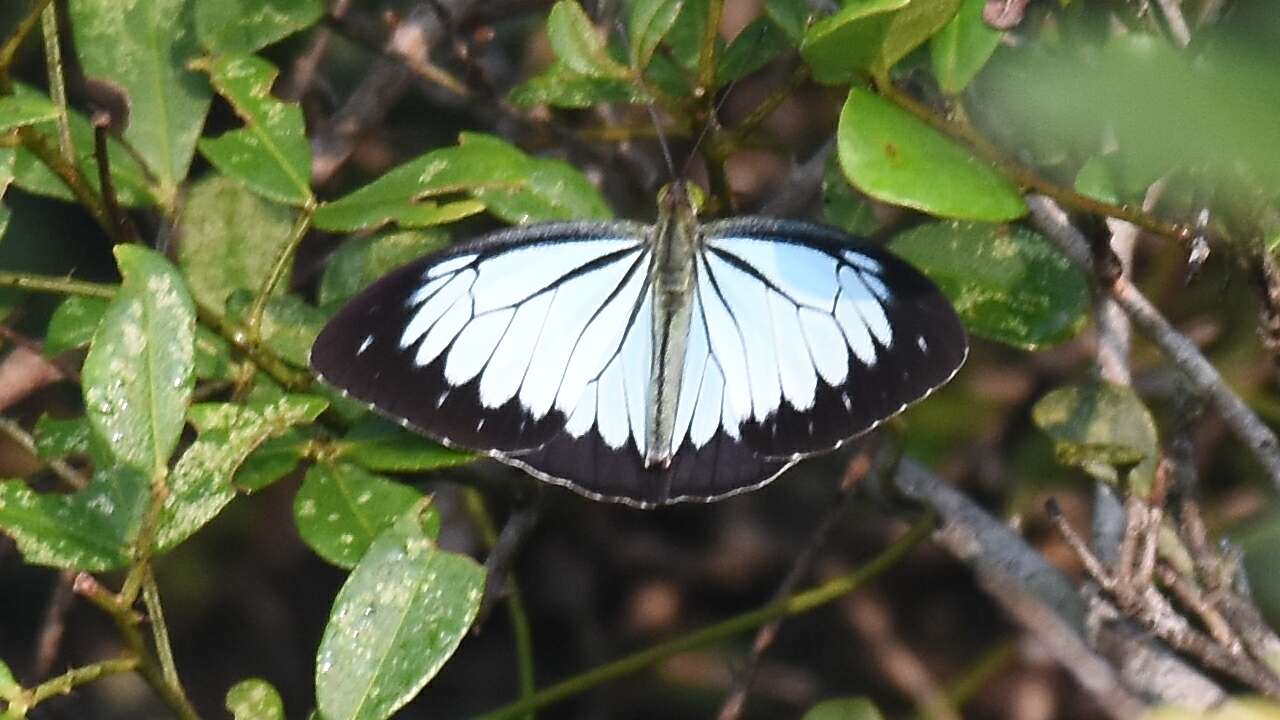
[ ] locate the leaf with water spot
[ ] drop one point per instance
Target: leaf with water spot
(65, 437)
(270, 154)
(1104, 429)
(272, 460)
(245, 26)
(383, 446)
(91, 529)
(200, 485)
(341, 509)
(1008, 283)
(229, 238)
(138, 373)
(73, 324)
(255, 699)
(560, 86)
(144, 47)
(400, 615)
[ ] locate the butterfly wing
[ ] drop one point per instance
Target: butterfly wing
(471, 345)
(814, 340)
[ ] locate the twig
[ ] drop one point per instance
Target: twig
(72, 177)
(67, 682)
(864, 463)
(110, 200)
(280, 268)
(1052, 221)
(893, 657)
(795, 605)
(57, 85)
(304, 68)
(22, 372)
(54, 625)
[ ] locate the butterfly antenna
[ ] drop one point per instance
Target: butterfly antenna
(715, 112)
(650, 107)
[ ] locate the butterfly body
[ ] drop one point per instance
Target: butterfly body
(647, 364)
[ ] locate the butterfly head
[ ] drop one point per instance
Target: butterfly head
(681, 198)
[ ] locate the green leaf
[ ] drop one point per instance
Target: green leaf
(400, 615)
(791, 16)
(270, 154)
(845, 207)
(229, 238)
(685, 37)
(894, 157)
(19, 111)
(9, 688)
(133, 189)
(271, 461)
(840, 46)
(8, 161)
(200, 485)
(962, 47)
(144, 47)
(255, 699)
(213, 355)
(91, 529)
(360, 261)
(578, 45)
(138, 373)
(910, 28)
(559, 86)
(756, 46)
(1104, 429)
(73, 324)
(244, 26)
(289, 324)
(512, 185)
(341, 509)
(844, 709)
(649, 22)
(383, 446)
(59, 437)
(1009, 284)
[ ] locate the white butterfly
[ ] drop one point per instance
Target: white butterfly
(647, 364)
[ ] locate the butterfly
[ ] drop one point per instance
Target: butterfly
(647, 364)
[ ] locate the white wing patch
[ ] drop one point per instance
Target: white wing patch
(772, 320)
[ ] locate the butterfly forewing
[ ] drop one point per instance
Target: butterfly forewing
(536, 346)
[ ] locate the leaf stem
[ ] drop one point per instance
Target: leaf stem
(1027, 178)
(9, 49)
(793, 605)
(57, 83)
(279, 269)
(57, 285)
(159, 628)
(68, 681)
(126, 622)
(72, 177)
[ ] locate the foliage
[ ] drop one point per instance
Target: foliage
(230, 247)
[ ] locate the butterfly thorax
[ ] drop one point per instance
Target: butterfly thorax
(675, 243)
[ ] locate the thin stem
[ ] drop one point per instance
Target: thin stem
(279, 270)
(159, 628)
(65, 472)
(1028, 178)
(57, 285)
(68, 681)
(756, 117)
(793, 605)
(57, 83)
(10, 47)
(72, 177)
(110, 199)
(517, 615)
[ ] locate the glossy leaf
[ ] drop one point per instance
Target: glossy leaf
(244, 26)
(144, 47)
(87, 530)
(756, 46)
(894, 157)
(844, 709)
(791, 16)
(512, 185)
(910, 28)
(648, 24)
(559, 86)
(1009, 284)
(360, 261)
(200, 485)
(1103, 429)
(229, 238)
(841, 45)
(685, 37)
(270, 154)
(132, 186)
(960, 49)
(73, 324)
(400, 615)
(341, 509)
(21, 110)
(380, 445)
(578, 45)
(138, 373)
(254, 699)
(271, 461)
(63, 437)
